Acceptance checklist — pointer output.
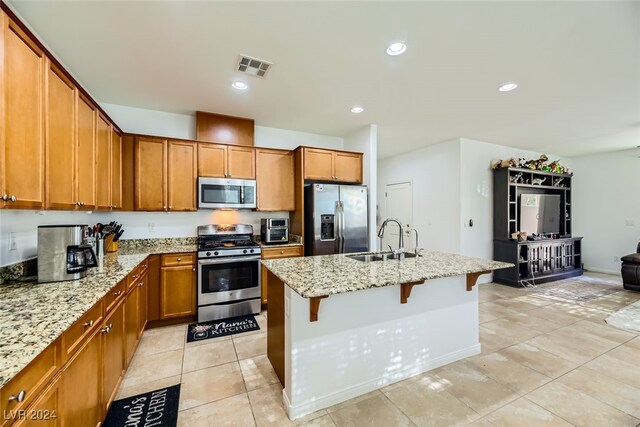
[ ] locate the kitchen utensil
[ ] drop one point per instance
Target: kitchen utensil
(118, 235)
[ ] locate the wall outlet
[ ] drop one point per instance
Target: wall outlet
(152, 227)
(12, 241)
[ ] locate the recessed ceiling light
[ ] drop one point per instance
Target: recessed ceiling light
(357, 110)
(508, 87)
(397, 48)
(240, 85)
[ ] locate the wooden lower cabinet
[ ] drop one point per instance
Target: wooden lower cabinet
(178, 291)
(131, 320)
(153, 288)
(45, 410)
(274, 253)
(81, 379)
(74, 381)
(112, 354)
(143, 303)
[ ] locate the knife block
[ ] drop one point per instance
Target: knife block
(110, 245)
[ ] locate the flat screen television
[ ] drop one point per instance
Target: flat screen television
(540, 213)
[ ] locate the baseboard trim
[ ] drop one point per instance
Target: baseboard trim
(322, 402)
(603, 271)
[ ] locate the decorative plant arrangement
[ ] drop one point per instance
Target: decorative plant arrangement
(539, 164)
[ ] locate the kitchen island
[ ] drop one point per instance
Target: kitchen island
(340, 327)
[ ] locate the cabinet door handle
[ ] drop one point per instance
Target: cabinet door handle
(88, 324)
(117, 293)
(77, 203)
(107, 328)
(141, 284)
(282, 252)
(5, 197)
(81, 203)
(19, 398)
(13, 198)
(194, 269)
(170, 207)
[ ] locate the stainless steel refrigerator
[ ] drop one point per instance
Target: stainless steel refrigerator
(335, 219)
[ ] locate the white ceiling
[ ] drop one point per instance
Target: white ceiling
(577, 63)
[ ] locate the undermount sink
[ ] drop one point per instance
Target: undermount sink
(379, 256)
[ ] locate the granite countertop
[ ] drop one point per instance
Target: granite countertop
(33, 315)
(334, 274)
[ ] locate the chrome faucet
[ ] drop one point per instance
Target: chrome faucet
(417, 249)
(400, 250)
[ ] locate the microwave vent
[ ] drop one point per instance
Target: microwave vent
(253, 66)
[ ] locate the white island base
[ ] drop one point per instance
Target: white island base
(367, 339)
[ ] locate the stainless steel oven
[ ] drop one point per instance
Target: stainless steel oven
(221, 193)
(228, 279)
(229, 272)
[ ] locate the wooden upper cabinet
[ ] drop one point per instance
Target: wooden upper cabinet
(223, 129)
(212, 160)
(347, 167)
(329, 165)
(128, 167)
(22, 139)
(182, 167)
(150, 173)
(318, 164)
(103, 164)
(275, 180)
(116, 170)
(241, 162)
(226, 161)
(60, 139)
(86, 154)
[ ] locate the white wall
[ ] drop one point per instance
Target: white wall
(476, 192)
(606, 202)
(434, 172)
(152, 122)
(290, 139)
(366, 339)
(365, 140)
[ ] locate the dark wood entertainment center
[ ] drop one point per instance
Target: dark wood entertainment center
(537, 261)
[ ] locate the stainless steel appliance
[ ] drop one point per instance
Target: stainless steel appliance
(62, 253)
(223, 193)
(274, 230)
(228, 272)
(336, 219)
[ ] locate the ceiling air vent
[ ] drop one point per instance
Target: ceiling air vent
(253, 66)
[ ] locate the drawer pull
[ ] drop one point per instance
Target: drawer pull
(107, 328)
(281, 252)
(141, 284)
(117, 293)
(179, 259)
(19, 398)
(88, 324)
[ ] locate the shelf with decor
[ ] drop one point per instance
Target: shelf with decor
(552, 256)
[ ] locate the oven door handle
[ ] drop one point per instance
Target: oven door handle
(228, 260)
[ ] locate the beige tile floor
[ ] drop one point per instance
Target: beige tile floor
(543, 363)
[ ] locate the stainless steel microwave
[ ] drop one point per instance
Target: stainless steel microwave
(223, 193)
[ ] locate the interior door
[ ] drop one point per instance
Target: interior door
(398, 204)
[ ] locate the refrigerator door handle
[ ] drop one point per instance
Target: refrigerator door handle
(337, 227)
(342, 239)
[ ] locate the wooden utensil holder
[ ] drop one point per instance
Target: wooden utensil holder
(110, 244)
